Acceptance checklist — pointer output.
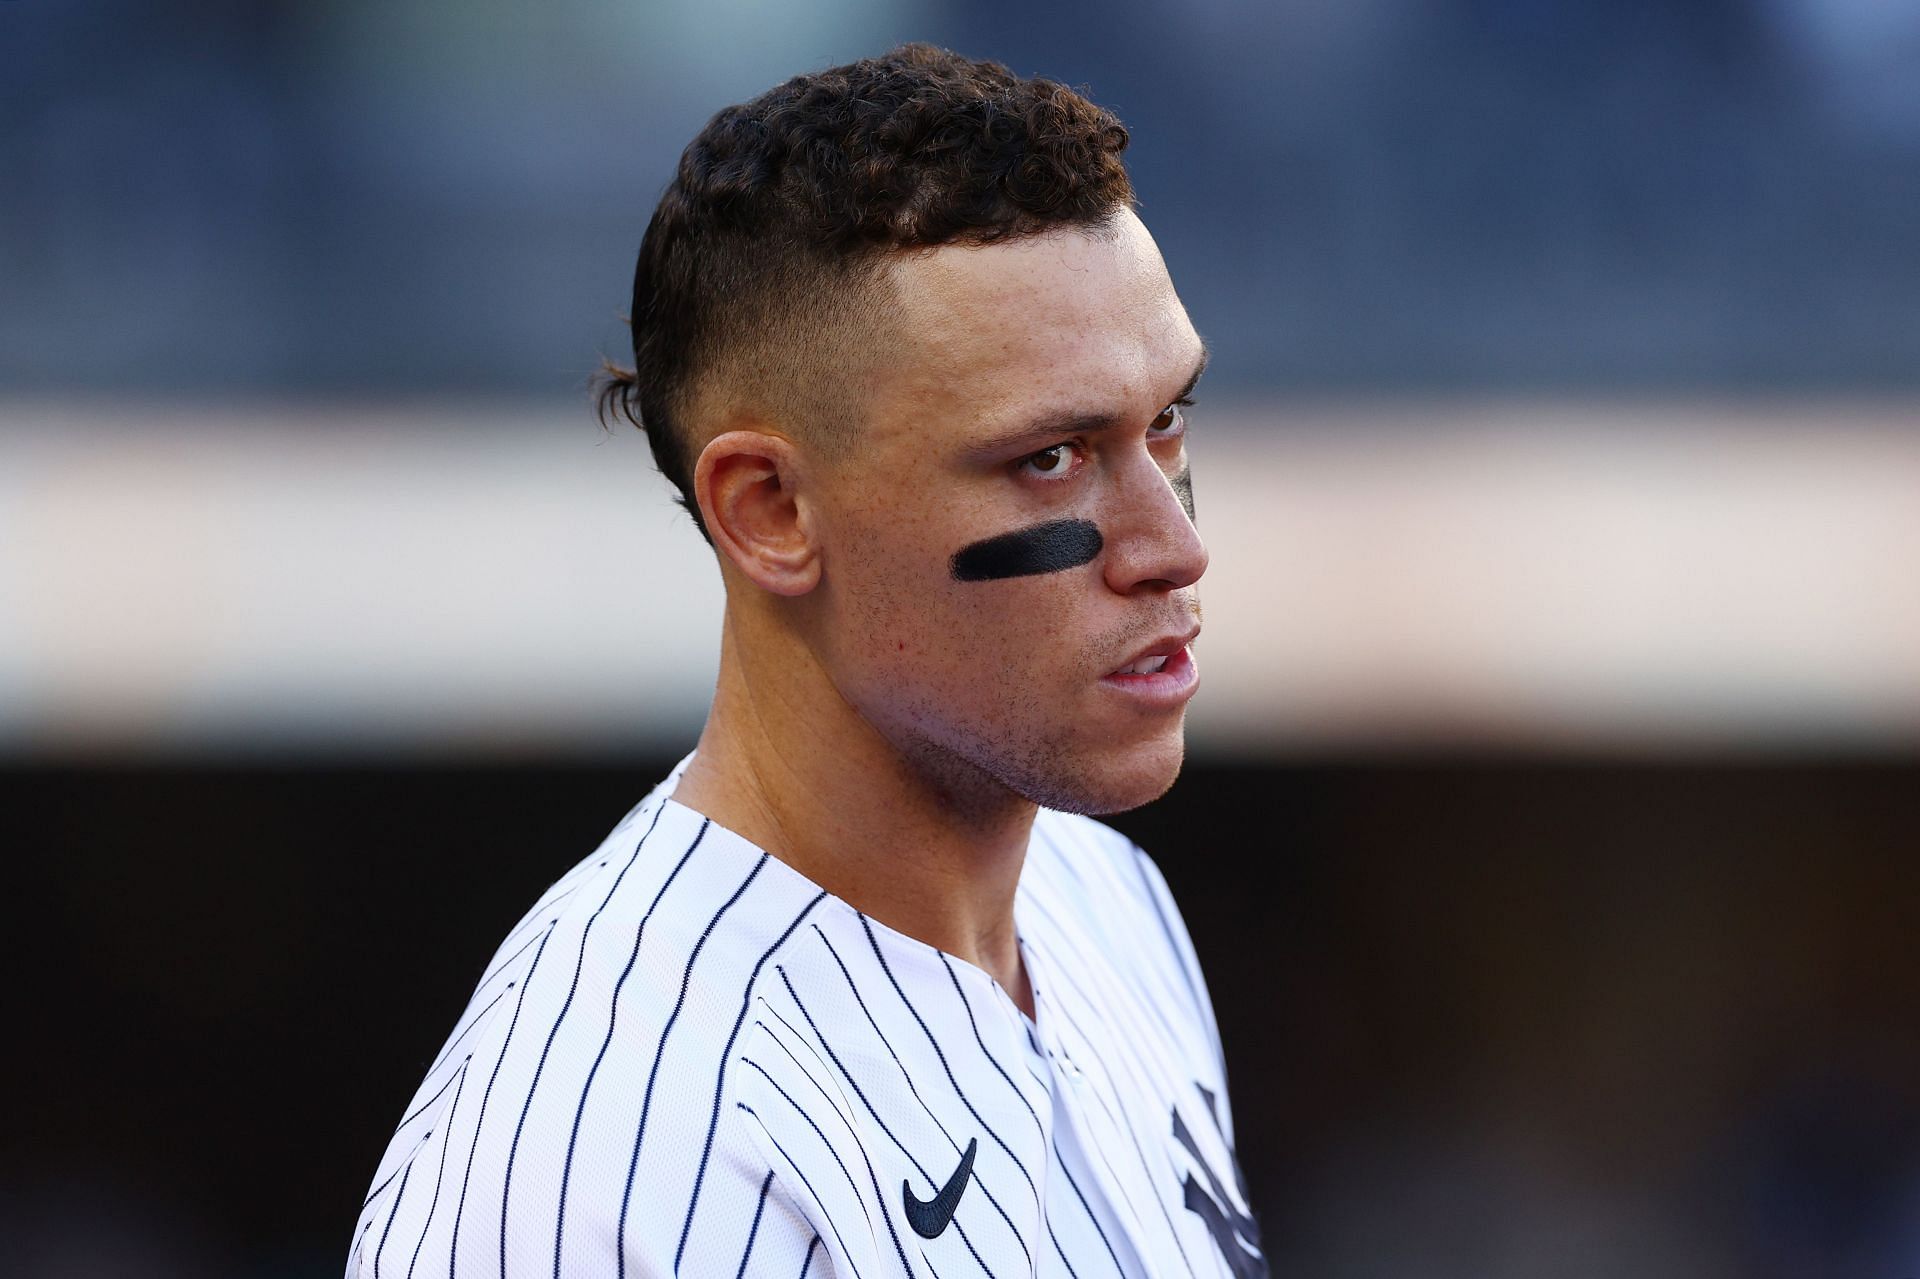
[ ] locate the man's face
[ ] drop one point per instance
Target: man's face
(1008, 533)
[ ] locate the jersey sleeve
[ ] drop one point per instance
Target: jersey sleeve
(788, 1109)
(754, 1224)
(549, 1144)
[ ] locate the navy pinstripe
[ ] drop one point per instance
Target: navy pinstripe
(1126, 1125)
(804, 1180)
(960, 1092)
(465, 1030)
(1088, 1208)
(573, 988)
(753, 1231)
(984, 1050)
(613, 1012)
(907, 1077)
(453, 1246)
(746, 1000)
(653, 1073)
(393, 1212)
(879, 1034)
(827, 1142)
(388, 1179)
(439, 1175)
(644, 1101)
(917, 1166)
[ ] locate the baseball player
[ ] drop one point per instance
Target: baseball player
(857, 990)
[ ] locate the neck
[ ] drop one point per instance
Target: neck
(930, 851)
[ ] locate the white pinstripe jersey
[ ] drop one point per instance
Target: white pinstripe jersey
(688, 1059)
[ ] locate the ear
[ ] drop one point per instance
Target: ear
(748, 485)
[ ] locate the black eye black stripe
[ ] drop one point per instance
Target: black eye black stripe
(1051, 547)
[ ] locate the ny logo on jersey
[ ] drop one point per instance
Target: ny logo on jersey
(1234, 1230)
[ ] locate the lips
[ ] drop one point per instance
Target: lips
(1153, 658)
(1155, 683)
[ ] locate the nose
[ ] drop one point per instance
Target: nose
(1152, 544)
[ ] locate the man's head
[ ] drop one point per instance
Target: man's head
(760, 285)
(915, 366)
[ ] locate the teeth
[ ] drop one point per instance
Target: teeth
(1145, 666)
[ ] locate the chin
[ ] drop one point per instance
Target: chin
(1112, 781)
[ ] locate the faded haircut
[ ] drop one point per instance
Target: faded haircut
(760, 278)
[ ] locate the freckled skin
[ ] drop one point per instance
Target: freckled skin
(997, 683)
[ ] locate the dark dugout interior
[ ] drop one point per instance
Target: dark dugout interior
(1666, 1013)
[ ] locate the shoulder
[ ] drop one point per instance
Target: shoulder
(1100, 871)
(574, 1121)
(1098, 890)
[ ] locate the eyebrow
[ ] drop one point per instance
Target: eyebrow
(1074, 421)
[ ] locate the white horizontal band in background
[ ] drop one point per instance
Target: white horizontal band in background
(431, 577)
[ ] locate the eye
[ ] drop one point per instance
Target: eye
(1172, 420)
(1051, 463)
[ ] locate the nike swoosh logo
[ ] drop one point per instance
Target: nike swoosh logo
(931, 1218)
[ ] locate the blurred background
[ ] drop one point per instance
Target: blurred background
(1549, 832)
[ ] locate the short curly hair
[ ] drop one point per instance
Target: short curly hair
(758, 270)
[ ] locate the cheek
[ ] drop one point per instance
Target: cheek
(933, 610)
(951, 629)
(975, 643)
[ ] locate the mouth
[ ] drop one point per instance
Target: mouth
(1154, 658)
(1162, 675)
(1147, 665)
